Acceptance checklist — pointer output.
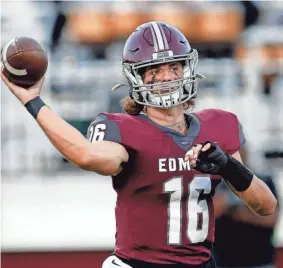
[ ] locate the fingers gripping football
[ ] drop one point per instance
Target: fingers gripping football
(23, 94)
(206, 157)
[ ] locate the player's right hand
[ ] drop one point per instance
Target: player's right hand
(207, 158)
(23, 94)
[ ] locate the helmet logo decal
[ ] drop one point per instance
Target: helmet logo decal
(164, 54)
(159, 38)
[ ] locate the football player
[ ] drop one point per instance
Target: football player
(165, 162)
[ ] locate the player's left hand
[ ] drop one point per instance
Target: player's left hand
(207, 158)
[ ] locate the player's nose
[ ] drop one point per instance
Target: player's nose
(167, 75)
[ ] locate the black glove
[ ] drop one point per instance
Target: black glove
(212, 161)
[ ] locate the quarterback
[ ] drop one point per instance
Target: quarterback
(165, 162)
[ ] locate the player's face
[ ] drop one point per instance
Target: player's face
(163, 73)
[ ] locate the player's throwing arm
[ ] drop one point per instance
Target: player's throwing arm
(103, 157)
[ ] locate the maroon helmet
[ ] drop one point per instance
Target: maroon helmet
(156, 43)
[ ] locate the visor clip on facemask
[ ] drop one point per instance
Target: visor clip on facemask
(117, 87)
(201, 76)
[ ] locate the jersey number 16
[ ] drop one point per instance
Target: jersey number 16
(197, 210)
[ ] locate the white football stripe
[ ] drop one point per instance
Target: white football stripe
(11, 69)
(153, 38)
(158, 35)
(164, 37)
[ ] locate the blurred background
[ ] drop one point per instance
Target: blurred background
(54, 215)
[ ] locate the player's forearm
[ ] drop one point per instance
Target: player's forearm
(102, 157)
(257, 197)
(68, 140)
(242, 213)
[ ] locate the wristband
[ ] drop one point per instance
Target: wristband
(237, 174)
(34, 106)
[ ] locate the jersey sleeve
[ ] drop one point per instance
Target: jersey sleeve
(102, 128)
(236, 137)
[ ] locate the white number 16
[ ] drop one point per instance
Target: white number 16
(97, 132)
(197, 210)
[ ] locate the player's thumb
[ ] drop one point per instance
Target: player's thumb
(187, 155)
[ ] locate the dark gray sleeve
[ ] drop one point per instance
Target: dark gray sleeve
(242, 137)
(103, 128)
(234, 134)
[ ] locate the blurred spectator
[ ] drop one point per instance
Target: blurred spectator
(242, 239)
(59, 25)
(251, 13)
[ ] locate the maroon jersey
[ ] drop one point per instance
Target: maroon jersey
(164, 210)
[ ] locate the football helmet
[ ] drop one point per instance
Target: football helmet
(159, 43)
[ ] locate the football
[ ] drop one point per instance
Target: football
(24, 61)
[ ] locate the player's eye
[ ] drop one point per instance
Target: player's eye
(153, 71)
(175, 68)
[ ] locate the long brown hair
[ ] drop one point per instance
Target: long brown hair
(131, 107)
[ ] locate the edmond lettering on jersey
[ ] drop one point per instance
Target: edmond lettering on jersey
(172, 164)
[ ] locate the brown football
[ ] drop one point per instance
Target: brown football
(24, 60)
